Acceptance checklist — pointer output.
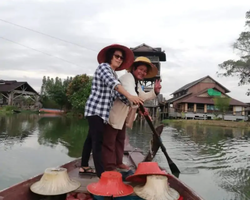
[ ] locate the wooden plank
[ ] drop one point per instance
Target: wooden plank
(136, 157)
(129, 148)
(85, 180)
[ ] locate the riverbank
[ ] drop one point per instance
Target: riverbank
(12, 110)
(7, 109)
(4, 111)
(220, 123)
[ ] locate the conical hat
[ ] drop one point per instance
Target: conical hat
(143, 170)
(110, 184)
(156, 188)
(55, 181)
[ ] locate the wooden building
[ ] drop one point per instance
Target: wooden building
(11, 91)
(195, 100)
(247, 109)
(156, 55)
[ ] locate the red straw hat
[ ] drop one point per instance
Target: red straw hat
(144, 169)
(110, 184)
(128, 57)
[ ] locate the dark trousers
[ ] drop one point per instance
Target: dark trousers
(113, 147)
(94, 142)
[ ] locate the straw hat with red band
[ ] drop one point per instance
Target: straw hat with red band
(144, 60)
(143, 170)
(110, 184)
(128, 57)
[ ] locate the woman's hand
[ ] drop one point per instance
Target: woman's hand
(131, 98)
(146, 113)
(157, 86)
(135, 99)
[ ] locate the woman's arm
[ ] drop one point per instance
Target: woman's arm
(134, 99)
(108, 78)
(152, 94)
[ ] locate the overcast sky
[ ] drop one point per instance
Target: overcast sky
(196, 36)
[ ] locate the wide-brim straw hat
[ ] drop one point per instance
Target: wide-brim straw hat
(128, 57)
(141, 59)
(143, 170)
(55, 181)
(110, 184)
(156, 188)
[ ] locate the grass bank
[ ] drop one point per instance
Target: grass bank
(220, 123)
(9, 110)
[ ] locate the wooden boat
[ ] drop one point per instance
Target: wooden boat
(52, 115)
(16, 111)
(22, 191)
(132, 157)
(50, 110)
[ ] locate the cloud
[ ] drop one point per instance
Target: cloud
(195, 35)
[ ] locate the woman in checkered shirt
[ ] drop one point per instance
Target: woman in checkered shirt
(104, 90)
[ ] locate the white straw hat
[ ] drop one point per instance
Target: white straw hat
(55, 181)
(156, 188)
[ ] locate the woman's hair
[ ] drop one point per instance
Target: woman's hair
(110, 53)
(137, 64)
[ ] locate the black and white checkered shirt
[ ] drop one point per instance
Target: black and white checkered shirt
(102, 94)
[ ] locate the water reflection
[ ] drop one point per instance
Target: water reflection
(31, 143)
(221, 154)
(52, 130)
(14, 129)
(70, 132)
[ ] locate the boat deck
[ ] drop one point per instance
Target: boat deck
(128, 159)
(87, 179)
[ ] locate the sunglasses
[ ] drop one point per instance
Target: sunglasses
(118, 56)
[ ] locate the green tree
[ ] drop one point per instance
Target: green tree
(222, 104)
(53, 91)
(57, 92)
(240, 67)
(78, 91)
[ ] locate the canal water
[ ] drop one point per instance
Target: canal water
(215, 161)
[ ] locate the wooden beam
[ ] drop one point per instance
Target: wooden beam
(10, 98)
(4, 96)
(24, 92)
(17, 96)
(34, 99)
